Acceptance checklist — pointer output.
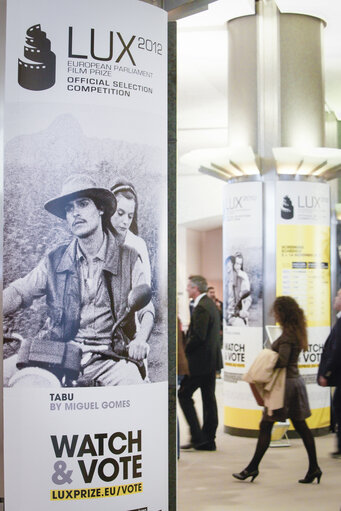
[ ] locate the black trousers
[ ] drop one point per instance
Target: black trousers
(337, 412)
(206, 383)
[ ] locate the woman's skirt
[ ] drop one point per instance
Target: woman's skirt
(296, 404)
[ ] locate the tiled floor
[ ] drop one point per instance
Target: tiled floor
(205, 482)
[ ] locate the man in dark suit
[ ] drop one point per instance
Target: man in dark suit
(202, 349)
(219, 305)
(330, 369)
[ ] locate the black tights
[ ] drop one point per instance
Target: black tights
(265, 437)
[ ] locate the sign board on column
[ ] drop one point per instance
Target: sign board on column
(85, 404)
(303, 272)
(243, 299)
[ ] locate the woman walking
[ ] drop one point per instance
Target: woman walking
(288, 346)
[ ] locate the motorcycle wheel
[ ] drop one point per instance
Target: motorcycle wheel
(34, 377)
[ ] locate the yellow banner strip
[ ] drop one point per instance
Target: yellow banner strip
(249, 419)
(241, 418)
(97, 493)
(320, 418)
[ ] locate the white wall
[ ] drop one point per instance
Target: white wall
(212, 259)
(199, 253)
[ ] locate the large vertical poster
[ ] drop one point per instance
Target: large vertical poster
(85, 256)
(303, 272)
(243, 298)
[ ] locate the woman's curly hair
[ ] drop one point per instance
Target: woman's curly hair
(291, 318)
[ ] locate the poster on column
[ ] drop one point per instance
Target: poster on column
(243, 298)
(85, 256)
(303, 272)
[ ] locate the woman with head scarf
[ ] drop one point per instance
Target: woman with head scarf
(124, 221)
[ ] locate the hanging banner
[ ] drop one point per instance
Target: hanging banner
(85, 256)
(303, 272)
(243, 299)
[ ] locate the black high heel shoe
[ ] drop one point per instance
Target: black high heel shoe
(310, 476)
(244, 474)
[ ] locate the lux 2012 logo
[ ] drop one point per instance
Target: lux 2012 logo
(116, 45)
(37, 70)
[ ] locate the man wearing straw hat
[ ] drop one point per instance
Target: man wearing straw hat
(86, 284)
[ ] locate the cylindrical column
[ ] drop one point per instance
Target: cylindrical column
(242, 85)
(275, 81)
(301, 91)
(89, 137)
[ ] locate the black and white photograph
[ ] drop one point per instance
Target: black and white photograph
(242, 255)
(238, 298)
(243, 296)
(84, 297)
